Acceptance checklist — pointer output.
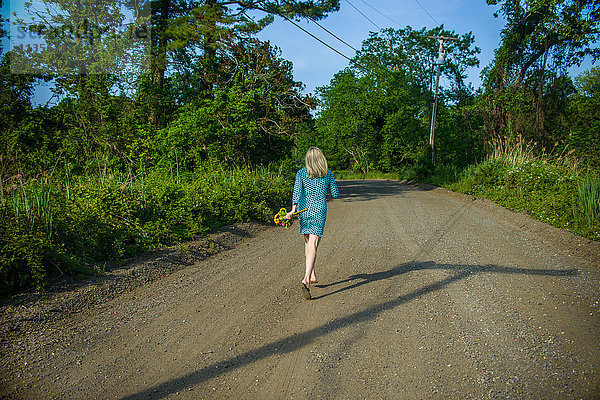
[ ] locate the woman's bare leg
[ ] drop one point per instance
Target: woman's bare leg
(311, 242)
(313, 276)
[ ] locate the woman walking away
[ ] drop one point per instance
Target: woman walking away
(310, 191)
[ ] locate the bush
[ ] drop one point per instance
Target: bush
(551, 192)
(23, 252)
(69, 223)
(443, 175)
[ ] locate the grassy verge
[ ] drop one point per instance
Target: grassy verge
(418, 173)
(65, 224)
(551, 191)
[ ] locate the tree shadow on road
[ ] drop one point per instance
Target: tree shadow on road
(302, 339)
(368, 190)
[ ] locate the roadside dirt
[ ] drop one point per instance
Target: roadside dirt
(422, 294)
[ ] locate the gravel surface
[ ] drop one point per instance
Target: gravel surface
(422, 294)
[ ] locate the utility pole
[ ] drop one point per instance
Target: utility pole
(439, 62)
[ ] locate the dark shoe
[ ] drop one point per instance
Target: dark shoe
(305, 291)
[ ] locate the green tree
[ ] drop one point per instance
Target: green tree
(200, 30)
(348, 120)
(252, 118)
(15, 105)
(540, 40)
(585, 108)
(376, 113)
(206, 73)
(87, 53)
(543, 32)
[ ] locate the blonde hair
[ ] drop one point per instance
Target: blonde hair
(316, 164)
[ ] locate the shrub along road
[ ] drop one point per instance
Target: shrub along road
(422, 294)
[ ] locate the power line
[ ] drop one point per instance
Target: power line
(419, 3)
(396, 22)
(272, 10)
(307, 32)
(333, 34)
(325, 29)
(310, 34)
(365, 69)
(360, 12)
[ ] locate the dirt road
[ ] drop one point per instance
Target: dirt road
(422, 294)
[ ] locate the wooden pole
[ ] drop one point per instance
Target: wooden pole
(440, 61)
(433, 115)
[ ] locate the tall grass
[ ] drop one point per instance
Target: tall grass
(33, 201)
(517, 150)
(513, 150)
(588, 192)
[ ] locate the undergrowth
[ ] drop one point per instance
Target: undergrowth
(64, 224)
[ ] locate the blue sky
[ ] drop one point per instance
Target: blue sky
(315, 64)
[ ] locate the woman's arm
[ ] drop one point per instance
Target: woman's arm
(295, 194)
(333, 186)
(297, 188)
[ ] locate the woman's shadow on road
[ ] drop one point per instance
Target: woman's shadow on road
(461, 271)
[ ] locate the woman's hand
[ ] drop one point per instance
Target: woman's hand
(293, 210)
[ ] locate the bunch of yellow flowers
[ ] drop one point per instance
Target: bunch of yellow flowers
(281, 217)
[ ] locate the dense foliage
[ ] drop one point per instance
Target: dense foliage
(527, 91)
(584, 109)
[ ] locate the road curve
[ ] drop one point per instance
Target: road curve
(422, 294)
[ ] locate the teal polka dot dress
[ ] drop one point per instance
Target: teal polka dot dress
(311, 194)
